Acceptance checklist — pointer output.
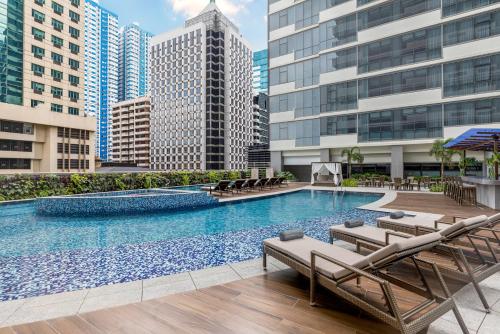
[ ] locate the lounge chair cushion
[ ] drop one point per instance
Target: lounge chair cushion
(474, 222)
(494, 219)
(300, 250)
(368, 233)
(452, 229)
(291, 235)
(403, 246)
(397, 215)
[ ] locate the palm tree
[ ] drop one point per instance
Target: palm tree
(353, 154)
(442, 154)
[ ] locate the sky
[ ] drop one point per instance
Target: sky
(157, 16)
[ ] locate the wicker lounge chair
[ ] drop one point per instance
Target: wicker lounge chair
(334, 268)
(410, 224)
(474, 267)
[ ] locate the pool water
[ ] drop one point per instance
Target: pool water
(42, 255)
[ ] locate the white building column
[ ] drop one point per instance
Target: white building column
(276, 161)
(397, 162)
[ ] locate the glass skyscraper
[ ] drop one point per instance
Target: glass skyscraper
(260, 71)
(101, 70)
(133, 62)
(11, 51)
(389, 77)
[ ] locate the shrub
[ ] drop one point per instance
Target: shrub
(287, 175)
(437, 188)
(349, 183)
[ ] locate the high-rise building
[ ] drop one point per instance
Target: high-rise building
(260, 71)
(131, 131)
(42, 124)
(201, 95)
(388, 77)
(133, 62)
(101, 70)
(260, 119)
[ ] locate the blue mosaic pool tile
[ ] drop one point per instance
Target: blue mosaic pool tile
(30, 276)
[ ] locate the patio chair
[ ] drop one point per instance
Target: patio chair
(222, 187)
(281, 181)
(466, 268)
(335, 268)
(271, 182)
(251, 184)
(239, 185)
(260, 184)
(396, 183)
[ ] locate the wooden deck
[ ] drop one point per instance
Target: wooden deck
(436, 203)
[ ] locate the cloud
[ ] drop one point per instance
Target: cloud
(190, 8)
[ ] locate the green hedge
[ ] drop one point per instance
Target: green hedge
(31, 186)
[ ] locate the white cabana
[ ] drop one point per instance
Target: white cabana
(326, 172)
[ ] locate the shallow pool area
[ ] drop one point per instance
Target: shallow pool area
(45, 255)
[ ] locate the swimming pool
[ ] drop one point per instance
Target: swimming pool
(44, 255)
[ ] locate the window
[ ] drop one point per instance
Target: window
(74, 48)
(75, 33)
(73, 111)
(401, 124)
(306, 14)
(73, 80)
(331, 3)
(58, 9)
(74, 64)
(16, 145)
(38, 34)
(15, 163)
(394, 10)
(307, 133)
(401, 82)
(476, 27)
(57, 42)
(38, 52)
(37, 87)
(56, 107)
(58, 25)
(75, 3)
(40, 2)
(283, 131)
(404, 49)
(56, 75)
(339, 96)
(74, 96)
(338, 125)
(38, 16)
(16, 127)
(305, 44)
(57, 58)
(282, 18)
(35, 103)
(453, 7)
(338, 60)
(305, 103)
(38, 70)
(472, 112)
(56, 92)
(337, 32)
(75, 17)
(472, 76)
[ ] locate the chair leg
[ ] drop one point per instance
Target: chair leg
(481, 296)
(264, 261)
(460, 320)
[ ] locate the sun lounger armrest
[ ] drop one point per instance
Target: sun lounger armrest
(420, 228)
(454, 220)
(369, 245)
(436, 271)
(355, 270)
(396, 234)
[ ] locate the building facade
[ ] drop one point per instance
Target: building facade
(261, 71)
(131, 134)
(261, 119)
(389, 77)
(101, 71)
(133, 62)
(201, 95)
(43, 126)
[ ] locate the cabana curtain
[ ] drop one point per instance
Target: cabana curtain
(324, 167)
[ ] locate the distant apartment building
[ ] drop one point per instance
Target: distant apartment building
(201, 95)
(260, 71)
(133, 62)
(101, 70)
(43, 128)
(131, 121)
(390, 77)
(260, 119)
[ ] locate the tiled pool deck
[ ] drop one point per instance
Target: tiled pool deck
(82, 301)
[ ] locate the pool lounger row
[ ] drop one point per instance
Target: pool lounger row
(331, 266)
(227, 186)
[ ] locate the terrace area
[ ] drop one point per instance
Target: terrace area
(241, 297)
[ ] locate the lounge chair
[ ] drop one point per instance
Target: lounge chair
(334, 267)
(271, 182)
(240, 185)
(222, 187)
(281, 182)
(374, 238)
(260, 184)
(251, 184)
(411, 224)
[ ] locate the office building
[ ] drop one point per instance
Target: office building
(43, 128)
(201, 95)
(260, 71)
(133, 62)
(101, 70)
(390, 77)
(130, 121)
